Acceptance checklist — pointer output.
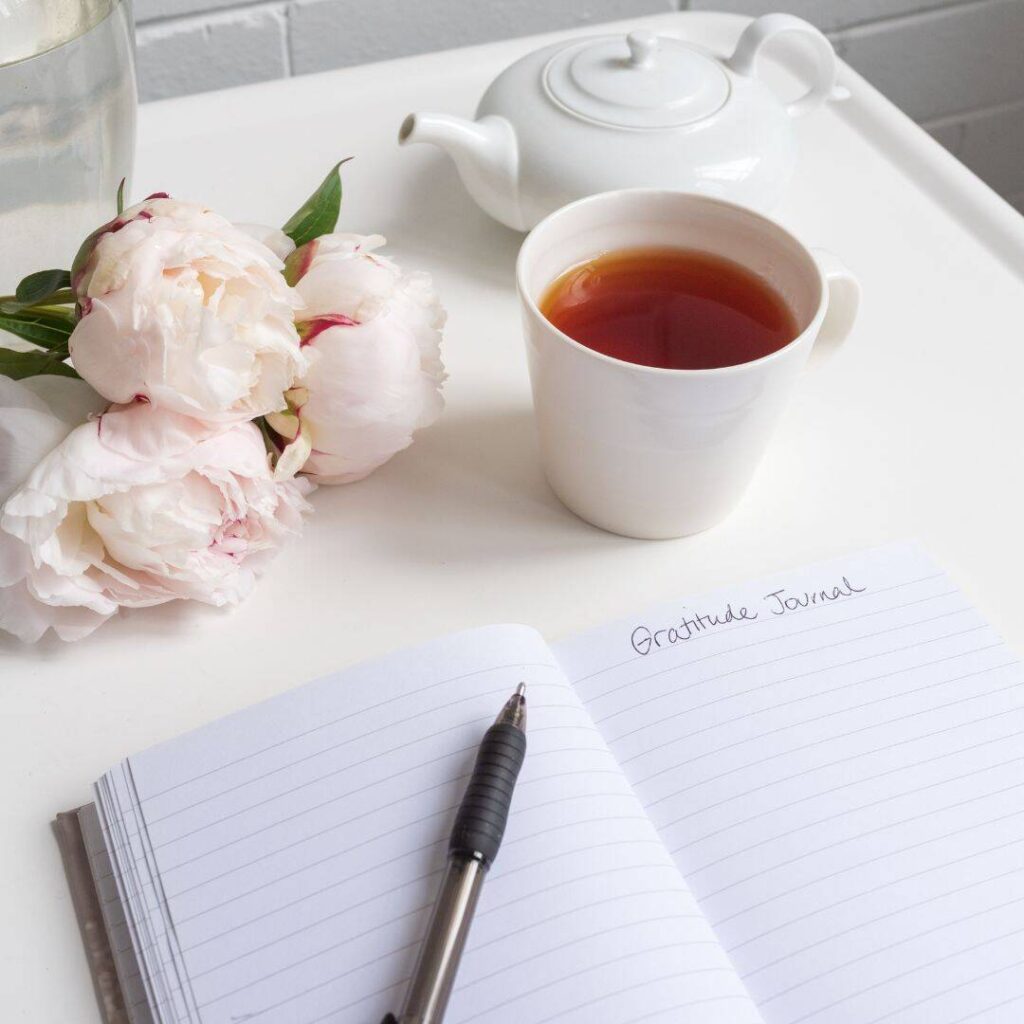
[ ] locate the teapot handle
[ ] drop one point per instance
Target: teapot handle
(765, 28)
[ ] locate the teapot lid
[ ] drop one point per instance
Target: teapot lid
(642, 81)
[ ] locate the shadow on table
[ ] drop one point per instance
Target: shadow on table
(469, 494)
(470, 490)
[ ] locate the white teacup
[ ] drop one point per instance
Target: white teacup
(656, 453)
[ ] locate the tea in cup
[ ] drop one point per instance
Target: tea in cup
(665, 332)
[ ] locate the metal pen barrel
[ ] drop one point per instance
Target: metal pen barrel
(475, 839)
(442, 946)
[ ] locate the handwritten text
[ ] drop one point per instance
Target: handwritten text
(647, 639)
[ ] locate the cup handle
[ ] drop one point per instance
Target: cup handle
(843, 302)
(761, 31)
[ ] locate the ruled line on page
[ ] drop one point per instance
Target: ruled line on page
(165, 960)
(945, 992)
(803, 811)
(348, 940)
(386, 728)
(333, 827)
(636, 705)
(816, 672)
(831, 739)
(898, 851)
(465, 1020)
(432, 874)
(989, 1008)
(456, 781)
(543, 921)
(614, 667)
(643, 921)
(235, 931)
(434, 815)
(832, 764)
(343, 718)
(859, 781)
(878, 888)
(319, 892)
(514, 965)
(170, 944)
(578, 878)
(934, 898)
(330, 980)
(919, 967)
(632, 869)
(816, 693)
(590, 968)
(163, 992)
(445, 811)
(633, 988)
(838, 815)
(419, 766)
(333, 979)
(333, 1014)
(878, 951)
(673, 1010)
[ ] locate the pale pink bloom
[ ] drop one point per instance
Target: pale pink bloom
(184, 309)
(137, 507)
(372, 335)
(35, 416)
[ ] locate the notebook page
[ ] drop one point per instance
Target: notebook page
(299, 844)
(133, 991)
(152, 942)
(841, 781)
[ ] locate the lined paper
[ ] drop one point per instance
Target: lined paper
(278, 865)
(119, 935)
(834, 760)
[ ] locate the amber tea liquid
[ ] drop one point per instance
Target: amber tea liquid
(679, 309)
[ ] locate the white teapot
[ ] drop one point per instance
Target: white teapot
(614, 112)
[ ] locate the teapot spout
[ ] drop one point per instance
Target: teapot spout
(485, 153)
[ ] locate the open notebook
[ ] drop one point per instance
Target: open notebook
(796, 800)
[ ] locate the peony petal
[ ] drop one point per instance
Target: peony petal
(137, 508)
(190, 313)
(28, 619)
(273, 238)
(35, 416)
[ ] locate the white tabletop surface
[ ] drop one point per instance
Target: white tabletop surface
(913, 430)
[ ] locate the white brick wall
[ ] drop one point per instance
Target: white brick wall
(957, 66)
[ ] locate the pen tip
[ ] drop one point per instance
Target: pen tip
(514, 710)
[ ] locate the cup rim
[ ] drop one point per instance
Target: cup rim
(606, 196)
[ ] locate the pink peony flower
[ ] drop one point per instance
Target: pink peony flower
(38, 413)
(138, 507)
(372, 336)
(186, 310)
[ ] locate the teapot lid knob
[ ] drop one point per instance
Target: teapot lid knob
(642, 46)
(642, 81)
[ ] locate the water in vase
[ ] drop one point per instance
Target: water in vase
(67, 126)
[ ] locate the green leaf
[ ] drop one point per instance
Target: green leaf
(120, 197)
(318, 215)
(46, 326)
(8, 304)
(40, 286)
(20, 365)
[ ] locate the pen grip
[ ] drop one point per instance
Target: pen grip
(480, 822)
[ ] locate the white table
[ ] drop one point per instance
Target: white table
(914, 429)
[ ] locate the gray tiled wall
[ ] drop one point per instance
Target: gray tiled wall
(957, 66)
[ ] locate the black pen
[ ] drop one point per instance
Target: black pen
(475, 839)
